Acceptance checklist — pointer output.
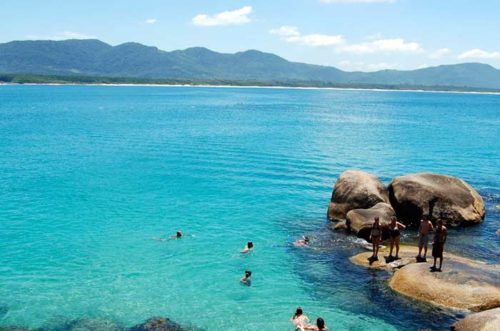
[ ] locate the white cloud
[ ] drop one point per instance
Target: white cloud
(292, 34)
(151, 21)
(230, 17)
(382, 46)
(362, 66)
(358, 1)
(62, 36)
(477, 53)
(437, 54)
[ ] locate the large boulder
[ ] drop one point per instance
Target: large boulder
(488, 320)
(463, 284)
(355, 189)
(451, 198)
(360, 221)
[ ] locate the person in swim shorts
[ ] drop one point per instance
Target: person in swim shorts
(438, 244)
(423, 237)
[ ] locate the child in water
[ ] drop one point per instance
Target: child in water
(248, 248)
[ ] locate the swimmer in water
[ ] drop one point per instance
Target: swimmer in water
(320, 325)
(248, 248)
(304, 242)
(246, 279)
(177, 235)
(299, 320)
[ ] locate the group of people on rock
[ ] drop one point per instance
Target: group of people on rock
(424, 230)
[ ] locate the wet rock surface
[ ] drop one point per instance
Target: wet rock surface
(488, 320)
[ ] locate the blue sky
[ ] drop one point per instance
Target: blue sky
(349, 34)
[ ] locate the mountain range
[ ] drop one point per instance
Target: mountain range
(92, 57)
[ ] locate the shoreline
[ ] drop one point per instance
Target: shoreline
(283, 87)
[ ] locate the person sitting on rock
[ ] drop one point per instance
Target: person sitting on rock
(246, 279)
(320, 325)
(304, 242)
(375, 237)
(438, 244)
(395, 233)
(299, 320)
(248, 248)
(423, 237)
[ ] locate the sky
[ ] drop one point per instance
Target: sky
(365, 35)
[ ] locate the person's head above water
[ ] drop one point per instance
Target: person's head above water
(320, 323)
(307, 239)
(250, 244)
(248, 273)
(178, 234)
(298, 312)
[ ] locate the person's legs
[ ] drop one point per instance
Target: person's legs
(420, 246)
(377, 242)
(397, 247)
(373, 247)
(440, 263)
(392, 245)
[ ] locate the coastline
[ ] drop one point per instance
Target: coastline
(259, 87)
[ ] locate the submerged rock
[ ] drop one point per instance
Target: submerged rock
(360, 221)
(456, 201)
(488, 320)
(355, 189)
(158, 324)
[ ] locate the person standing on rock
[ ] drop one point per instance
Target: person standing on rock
(438, 244)
(395, 233)
(423, 237)
(375, 237)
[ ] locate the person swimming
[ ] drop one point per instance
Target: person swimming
(246, 279)
(304, 242)
(320, 325)
(299, 320)
(177, 235)
(248, 248)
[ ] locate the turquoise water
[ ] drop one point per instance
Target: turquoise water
(88, 175)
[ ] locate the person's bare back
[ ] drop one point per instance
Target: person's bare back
(425, 227)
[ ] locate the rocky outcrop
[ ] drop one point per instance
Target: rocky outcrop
(355, 189)
(488, 320)
(453, 199)
(359, 221)
(463, 284)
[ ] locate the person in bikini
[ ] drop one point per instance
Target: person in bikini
(423, 237)
(438, 244)
(395, 233)
(375, 237)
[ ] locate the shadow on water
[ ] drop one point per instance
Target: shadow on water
(363, 291)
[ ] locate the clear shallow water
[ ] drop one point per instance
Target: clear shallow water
(88, 175)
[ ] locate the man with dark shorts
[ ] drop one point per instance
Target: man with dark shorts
(438, 245)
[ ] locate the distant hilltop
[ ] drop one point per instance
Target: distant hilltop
(80, 58)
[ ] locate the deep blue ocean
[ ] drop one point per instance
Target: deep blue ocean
(90, 174)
